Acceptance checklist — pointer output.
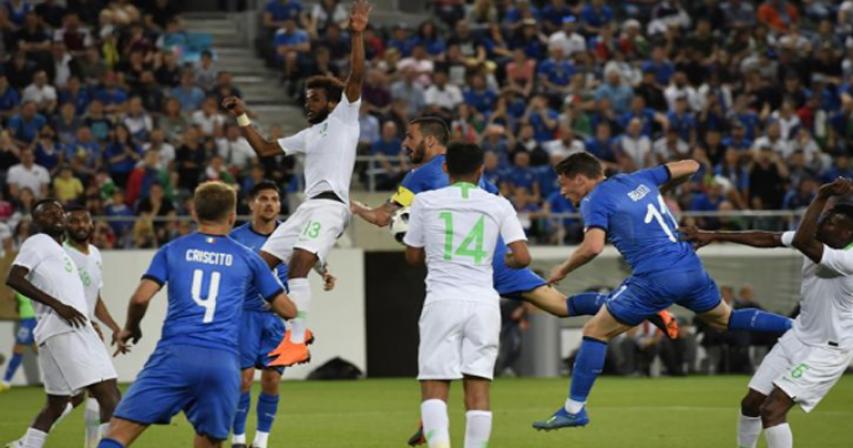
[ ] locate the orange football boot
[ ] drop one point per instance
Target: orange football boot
(289, 353)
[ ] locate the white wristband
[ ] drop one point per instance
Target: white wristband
(243, 120)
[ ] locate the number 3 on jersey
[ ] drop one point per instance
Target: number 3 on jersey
(474, 236)
(652, 213)
(209, 303)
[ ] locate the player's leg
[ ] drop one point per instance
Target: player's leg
(267, 407)
(121, 433)
(436, 424)
(705, 300)
(23, 338)
(478, 414)
(247, 376)
(36, 434)
(214, 393)
(107, 395)
(774, 412)
(203, 441)
(617, 317)
(300, 265)
(92, 422)
(749, 422)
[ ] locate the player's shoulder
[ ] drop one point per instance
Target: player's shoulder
(38, 241)
(240, 231)
(94, 252)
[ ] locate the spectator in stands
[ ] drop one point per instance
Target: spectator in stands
(172, 121)
(98, 121)
(25, 125)
(767, 177)
(208, 119)
(409, 90)
(137, 120)
(189, 160)
(188, 94)
(47, 152)
(235, 150)
(670, 147)
(28, 175)
(277, 11)
(615, 91)
(635, 148)
(9, 98)
(442, 97)
(66, 187)
(121, 155)
(205, 72)
(290, 45)
(40, 93)
(566, 144)
(390, 157)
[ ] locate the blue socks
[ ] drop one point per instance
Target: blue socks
(588, 365)
(267, 408)
(752, 319)
(12, 367)
(585, 304)
(109, 443)
(242, 413)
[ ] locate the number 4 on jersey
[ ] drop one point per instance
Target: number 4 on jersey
(475, 237)
(209, 304)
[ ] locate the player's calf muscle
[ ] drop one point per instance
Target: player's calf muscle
(301, 263)
(548, 299)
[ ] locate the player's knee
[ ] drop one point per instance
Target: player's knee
(750, 406)
(772, 412)
(301, 263)
(269, 382)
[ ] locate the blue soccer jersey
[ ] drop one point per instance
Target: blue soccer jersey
(630, 208)
(248, 237)
(431, 176)
(207, 277)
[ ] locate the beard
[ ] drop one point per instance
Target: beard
(81, 237)
(319, 117)
(418, 154)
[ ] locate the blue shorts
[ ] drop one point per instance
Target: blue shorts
(642, 296)
(203, 382)
(511, 283)
(260, 333)
(26, 332)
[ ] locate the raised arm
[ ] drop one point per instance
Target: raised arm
(17, 280)
(146, 291)
(805, 240)
(753, 238)
(357, 23)
(680, 172)
(262, 147)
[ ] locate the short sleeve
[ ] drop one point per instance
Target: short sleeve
(415, 235)
(347, 111)
(839, 260)
(658, 175)
(32, 252)
(158, 270)
(511, 228)
(595, 214)
(295, 144)
(408, 188)
(262, 277)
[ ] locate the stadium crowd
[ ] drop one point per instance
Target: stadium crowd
(114, 105)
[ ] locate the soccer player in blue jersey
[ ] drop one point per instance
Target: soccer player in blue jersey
(195, 367)
(629, 210)
(426, 141)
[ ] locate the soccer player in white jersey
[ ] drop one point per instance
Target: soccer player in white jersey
(303, 241)
(455, 230)
(810, 358)
(71, 355)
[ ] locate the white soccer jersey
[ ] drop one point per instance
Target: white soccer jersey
(458, 226)
(54, 272)
(826, 304)
(90, 268)
(329, 149)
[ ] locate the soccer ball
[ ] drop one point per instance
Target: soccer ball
(399, 224)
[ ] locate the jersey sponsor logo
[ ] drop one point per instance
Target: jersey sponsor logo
(205, 257)
(639, 193)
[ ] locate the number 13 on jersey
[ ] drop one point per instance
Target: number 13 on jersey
(473, 237)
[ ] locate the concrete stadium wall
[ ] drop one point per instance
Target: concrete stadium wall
(337, 317)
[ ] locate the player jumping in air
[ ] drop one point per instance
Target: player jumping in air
(426, 142)
(455, 229)
(304, 240)
(261, 330)
(629, 210)
(72, 356)
(195, 367)
(810, 358)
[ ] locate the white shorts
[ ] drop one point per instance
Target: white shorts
(458, 338)
(804, 372)
(74, 360)
(314, 226)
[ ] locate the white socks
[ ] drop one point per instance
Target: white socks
(300, 293)
(436, 424)
(92, 420)
(478, 428)
(748, 431)
(34, 438)
(779, 436)
(260, 439)
(573, 407)
(238, 438)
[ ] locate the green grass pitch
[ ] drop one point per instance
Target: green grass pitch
(625, 412)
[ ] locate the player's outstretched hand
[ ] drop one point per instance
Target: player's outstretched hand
(121, 345)
(557, 275)
(695, 236)
(235, 106)
(329, 281)
(70, 314)
(358, 15)
(356, 207)
(839, 187)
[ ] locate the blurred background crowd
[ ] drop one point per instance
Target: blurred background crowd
(119, 109)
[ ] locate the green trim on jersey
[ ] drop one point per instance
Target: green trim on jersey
(25, 307)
